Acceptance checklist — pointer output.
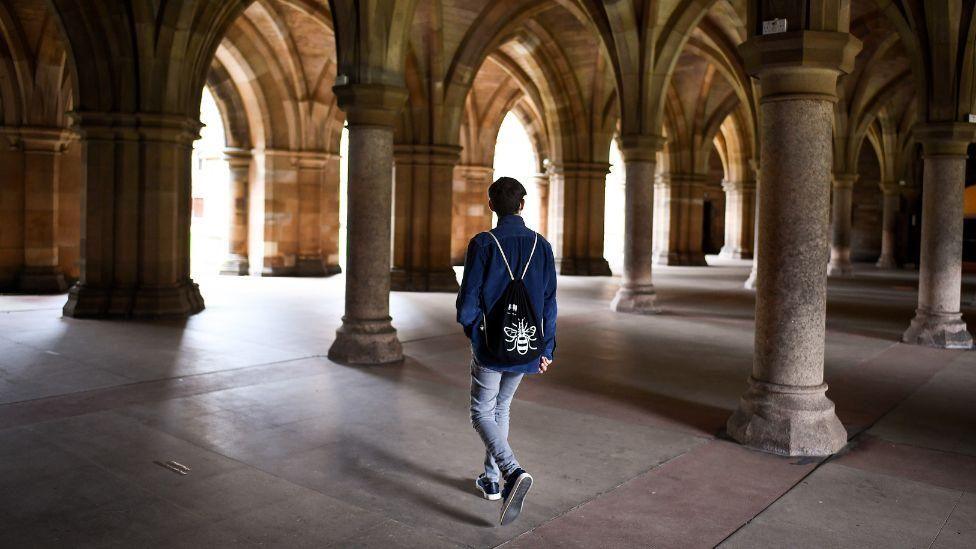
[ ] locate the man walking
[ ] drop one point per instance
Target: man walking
(507, 306)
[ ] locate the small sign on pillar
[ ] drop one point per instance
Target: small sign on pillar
(773, 26)
(972, 118)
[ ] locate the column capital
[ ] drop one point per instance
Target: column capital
(314, 160)
(137, 126)
(944, 138)
(475, 170)
(843, 180)
(637, 147)
(592, 169)
(738, 186)
(370, 104)
(889, 188)
(238, 158)
(800, 64)
(678, 178)
(38, 139)
(426, 154)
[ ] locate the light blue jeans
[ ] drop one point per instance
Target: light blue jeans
(491, 399)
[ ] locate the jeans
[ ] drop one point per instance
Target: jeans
(491, 398)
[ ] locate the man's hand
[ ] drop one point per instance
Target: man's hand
(544, 364)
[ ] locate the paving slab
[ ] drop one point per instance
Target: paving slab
(686, 502)
(940, 414)
(839, 506)
(959, 531)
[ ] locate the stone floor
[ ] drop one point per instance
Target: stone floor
(624, 435)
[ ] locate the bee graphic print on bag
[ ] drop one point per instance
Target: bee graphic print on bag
(520, 336)
(511, 327)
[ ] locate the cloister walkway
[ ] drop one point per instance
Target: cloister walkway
(624, 435)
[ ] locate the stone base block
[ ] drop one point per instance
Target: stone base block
(181, 300)
(840, 268)
(636, 299)
(787, 420)
(729, 252)
(235, 265)
(750, 283)
(42, 280)
(594, 266)
(315, 267)
(278, 270)
(363, 342)
(402, 280)
(938, 330)
(886, 262)
(679, 259)
(178, 301)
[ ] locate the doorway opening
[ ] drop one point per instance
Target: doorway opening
(613, 220)
(515, 157)
(210, 217)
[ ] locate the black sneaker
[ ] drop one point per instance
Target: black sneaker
(488, 488)
(517, 485)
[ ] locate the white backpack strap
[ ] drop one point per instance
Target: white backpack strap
(529, 262)
(500, 250)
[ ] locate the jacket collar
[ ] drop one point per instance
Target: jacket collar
(511, 219)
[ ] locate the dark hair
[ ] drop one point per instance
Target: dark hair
(506, 195)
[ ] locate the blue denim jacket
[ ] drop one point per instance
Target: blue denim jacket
(485, 278)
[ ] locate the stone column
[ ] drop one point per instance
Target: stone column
(636, 293)
(938, 321)
(367, 335)
(329, 216)
(239, 168)
(740, 202)
(891, 202)
(42, 150)
(576, 215)
(11, 209)
(470, 213)
(311, 174)
(840, 225)
(786, 410)
(276, 189)
(135, 254)
(540, 186)
(679, 209)
(422, 232)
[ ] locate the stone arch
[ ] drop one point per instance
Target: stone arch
(866, 214)
(38, 213)
(280, 85)
(707, 86)
(233, 112)
(371, 39)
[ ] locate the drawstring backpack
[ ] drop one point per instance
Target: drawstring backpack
(512, 331)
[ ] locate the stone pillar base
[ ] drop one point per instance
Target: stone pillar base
(750, 283)
(235, 265)
(314, 267)
(42, 280)
(886, 262)
(729, 252)
(366, 342)
(787, 420)
(935, 330)
(424, 281)
(165, 301)
(636, 299)
(583, 267)
(840, 268)
(680, 259)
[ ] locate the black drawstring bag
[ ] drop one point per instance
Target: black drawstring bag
(512, 331)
